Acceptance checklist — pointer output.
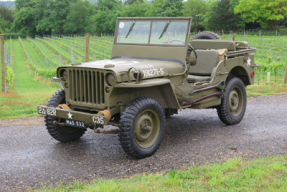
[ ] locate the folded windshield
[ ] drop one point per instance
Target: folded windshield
(152, 32)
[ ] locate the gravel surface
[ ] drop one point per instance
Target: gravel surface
(30, 157)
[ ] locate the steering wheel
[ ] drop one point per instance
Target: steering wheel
(189, 46)
(177, 40)
(192, 50)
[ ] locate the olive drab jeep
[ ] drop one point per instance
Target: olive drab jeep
(153, 72)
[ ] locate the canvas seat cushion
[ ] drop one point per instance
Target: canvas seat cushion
(206, 61)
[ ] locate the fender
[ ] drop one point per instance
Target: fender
(162, 90)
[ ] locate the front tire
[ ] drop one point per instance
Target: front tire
(142, 127)
(61, 133)
(233, 104)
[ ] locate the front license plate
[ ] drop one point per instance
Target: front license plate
(74, 123)
(48, 111)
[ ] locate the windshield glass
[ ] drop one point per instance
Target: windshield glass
(162, 32)
(133, 32)
(175, 33)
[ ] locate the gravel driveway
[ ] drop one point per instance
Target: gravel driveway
(30, 157)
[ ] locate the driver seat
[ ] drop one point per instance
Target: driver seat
(207, 60)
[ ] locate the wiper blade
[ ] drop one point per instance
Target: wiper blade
(164, 30)
(131, 27)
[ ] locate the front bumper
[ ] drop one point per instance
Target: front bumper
(98, 119)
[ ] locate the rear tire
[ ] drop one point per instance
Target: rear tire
(142, 127)
(233, 104)
(61, 133)
(206, 35)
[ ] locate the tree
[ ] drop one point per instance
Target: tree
(265, 12)
(22, 3)
(137, 9)
(7, 14)
(130, 2)
(151, 12)
(4, 25)
(6, 18)
(197, 10)
(54, 16)
(169, 8)
(106, 17)
(223, 11)
(79, 17)
(108, 4)
(25, 21)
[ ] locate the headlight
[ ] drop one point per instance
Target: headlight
(111, 79)
(64, 75)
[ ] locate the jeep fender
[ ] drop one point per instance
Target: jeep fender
(238, 68)
(158, 89)
(233, 67)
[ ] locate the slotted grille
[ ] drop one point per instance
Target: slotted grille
(87, 86)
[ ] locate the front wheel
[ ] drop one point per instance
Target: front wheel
(142, 127)
(61, 133)
(233, 104)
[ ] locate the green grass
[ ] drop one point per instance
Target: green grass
(32, 50)
(264, 89)
(266, 174)
(28, 91)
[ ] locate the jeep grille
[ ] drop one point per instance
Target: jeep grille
(86, 86)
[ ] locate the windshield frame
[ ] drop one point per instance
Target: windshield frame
(151, 20)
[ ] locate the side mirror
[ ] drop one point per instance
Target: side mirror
(191, 61)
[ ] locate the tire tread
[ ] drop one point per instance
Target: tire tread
(56, 99)
(126, 123)
(222, 109)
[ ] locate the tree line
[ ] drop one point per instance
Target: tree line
(81, 16)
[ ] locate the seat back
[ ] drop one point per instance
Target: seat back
(206, 61)
(214, 44)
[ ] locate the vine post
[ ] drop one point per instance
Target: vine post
(3, 63)
(87, 46)
(285, 78)
(233, 37)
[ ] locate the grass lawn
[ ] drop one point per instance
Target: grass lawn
(266, 174)
(27, 91)
(264, 89)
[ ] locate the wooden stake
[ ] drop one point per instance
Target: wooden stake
(233, 37)
(285, 78)
(87, 46)
(3, 63)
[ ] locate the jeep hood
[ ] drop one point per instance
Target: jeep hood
(151, 67)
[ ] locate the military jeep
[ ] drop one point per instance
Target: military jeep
(154, 71)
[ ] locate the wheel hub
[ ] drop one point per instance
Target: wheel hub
(146, 128)
(143, 127)
(235, 101)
